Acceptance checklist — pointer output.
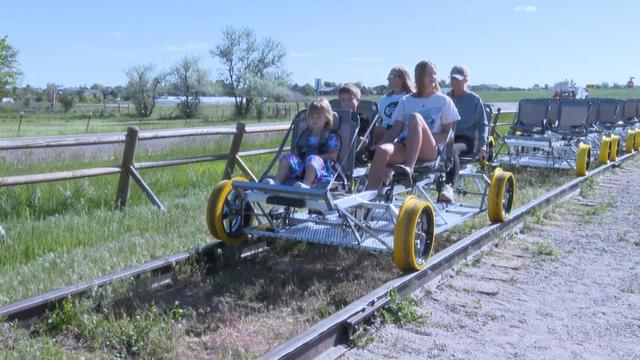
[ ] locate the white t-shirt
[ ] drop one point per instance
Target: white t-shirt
(436, 110)
(387, 106)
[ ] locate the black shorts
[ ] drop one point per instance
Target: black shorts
(467, 141)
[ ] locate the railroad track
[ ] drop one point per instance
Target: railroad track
(330, 336)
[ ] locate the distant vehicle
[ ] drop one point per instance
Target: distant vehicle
(579, 93)
(7, 100)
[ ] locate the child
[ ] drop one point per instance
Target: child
(349, 96)
(316, 149)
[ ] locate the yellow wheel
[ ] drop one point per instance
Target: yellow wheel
(605, 148)
(491, 145)
(414, 234)
(583, 159)
(628, 146)
(615, 147)
(636, 142)
(228, 213)
(501, 194)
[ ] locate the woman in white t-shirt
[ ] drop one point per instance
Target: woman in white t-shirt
(400, 84)
(421, 121)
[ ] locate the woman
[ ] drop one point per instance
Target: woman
(421, 121)
(400, 85)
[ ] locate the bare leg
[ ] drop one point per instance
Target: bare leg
(420, 143)
(386, 154)
(283, 169)
(310, 175)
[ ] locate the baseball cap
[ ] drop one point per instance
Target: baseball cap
(459, 72)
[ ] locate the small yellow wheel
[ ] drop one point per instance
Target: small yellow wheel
(228, 213)
(501, 194)
(636, 142)
(414, 234)
(628, 146)
(615, 147)
(605, 148)
(583, 159)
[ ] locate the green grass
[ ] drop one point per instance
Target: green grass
(68, 227)
(44, 122)
(546, 248)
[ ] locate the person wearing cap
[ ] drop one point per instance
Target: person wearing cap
(473, 122)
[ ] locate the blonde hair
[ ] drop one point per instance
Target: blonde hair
(421, 70)
(403, 74)
(321, 106)
(350, 88)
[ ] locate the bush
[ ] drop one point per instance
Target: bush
(67, 101)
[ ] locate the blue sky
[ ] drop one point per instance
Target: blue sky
(516, 43)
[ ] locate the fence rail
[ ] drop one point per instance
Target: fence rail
(128, 170)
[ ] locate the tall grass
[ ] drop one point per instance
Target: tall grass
(61, 233)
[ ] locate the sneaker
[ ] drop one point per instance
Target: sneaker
(269, 181)
(446, 195)
(302, 185)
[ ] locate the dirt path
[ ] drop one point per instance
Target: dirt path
(565, 287)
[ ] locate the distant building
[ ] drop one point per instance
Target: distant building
(297, 96)
(328, 90)
(7, 100)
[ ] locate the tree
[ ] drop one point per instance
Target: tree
(308, 90)
(68, 101)
(252, 69)
(10, 74)
(191, 81)
(142, 87)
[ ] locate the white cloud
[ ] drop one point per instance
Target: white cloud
(525, 8)
(185, 47)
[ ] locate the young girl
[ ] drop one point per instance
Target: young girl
(400, 85)
(316, 149)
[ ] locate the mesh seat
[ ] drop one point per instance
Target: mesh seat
(573, 118)
(532, 116)
(630, 109)
(607, 112)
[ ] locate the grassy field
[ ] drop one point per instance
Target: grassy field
(68, 227)
(78, 121)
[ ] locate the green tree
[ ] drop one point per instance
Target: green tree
(191, 81)
(10, 74)
(253, 70)
(142, 87)
(67, 101)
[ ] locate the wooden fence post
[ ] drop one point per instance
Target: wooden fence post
(233, 151)
(124, 183)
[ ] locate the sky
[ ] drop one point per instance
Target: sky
(510, 43)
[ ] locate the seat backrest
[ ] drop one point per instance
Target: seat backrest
(532, 114)
(554, 112)
(630, 109)
(335, 104)
(345, 125)
(607, 111)
(574, 115)
(620, 112)
(368, 108)
(488, 110)
(592, 119)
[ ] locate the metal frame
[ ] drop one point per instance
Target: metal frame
(365, 220)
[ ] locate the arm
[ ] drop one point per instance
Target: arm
(441, 137)
(482, 124)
